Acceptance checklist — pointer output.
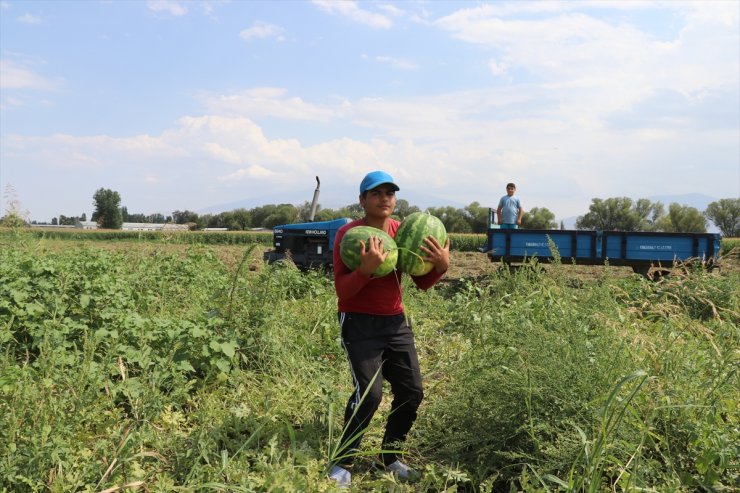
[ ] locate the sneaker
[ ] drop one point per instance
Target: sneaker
(401, 470)
(342, 476)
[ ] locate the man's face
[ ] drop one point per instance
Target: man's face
(510, 191)
(380, 201)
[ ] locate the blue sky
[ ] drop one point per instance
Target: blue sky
(192, 104)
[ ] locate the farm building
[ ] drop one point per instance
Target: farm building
(175, 227)
(136, 226)
(141, 227)
(154, 227)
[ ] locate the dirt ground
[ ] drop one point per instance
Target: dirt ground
(474, 264)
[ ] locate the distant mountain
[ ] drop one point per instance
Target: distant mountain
(242, 204)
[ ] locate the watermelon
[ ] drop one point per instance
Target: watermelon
(349, 248)
(410, 236)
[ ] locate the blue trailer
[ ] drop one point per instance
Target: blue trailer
(639, 250)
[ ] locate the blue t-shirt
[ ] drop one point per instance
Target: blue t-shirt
(509, 209)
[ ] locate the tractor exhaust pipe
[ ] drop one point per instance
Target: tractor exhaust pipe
(315, 201)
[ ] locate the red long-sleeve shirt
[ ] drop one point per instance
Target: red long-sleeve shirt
(372, 295)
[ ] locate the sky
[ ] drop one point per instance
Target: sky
(211, 105)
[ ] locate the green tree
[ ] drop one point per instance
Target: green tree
(649, 214)
(139, 217)
(725, 214)
(260, 214)
(107, 209)
(282, 214)
(304, 212)
(620, 214)
(352, 211)
(477, 217)
(67, 220)
(328, 215)
(70, 220)
(185, 217)
(157, 218)
(682, 219)
(539, 218)
(453, 219)
(404, 209)
(236, 220)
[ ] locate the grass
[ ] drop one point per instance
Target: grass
(177, 367)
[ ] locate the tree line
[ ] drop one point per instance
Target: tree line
(616, 213)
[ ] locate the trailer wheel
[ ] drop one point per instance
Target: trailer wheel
(659, 274)
(643, 270)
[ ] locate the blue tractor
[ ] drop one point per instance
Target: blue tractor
(309, 245)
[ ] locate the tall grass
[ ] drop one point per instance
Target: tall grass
(170, 370)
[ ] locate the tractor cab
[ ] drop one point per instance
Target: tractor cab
(308, 245)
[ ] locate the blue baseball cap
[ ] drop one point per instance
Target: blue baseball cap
(375, 179)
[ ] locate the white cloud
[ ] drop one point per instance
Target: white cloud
(574, 107)
(398, 63)
(209, 6)
(14, 75)
(171, 7)
(29, 19)
(352, 11)
(391, 10)
(265, 102)
(458, 147)
(612, 65)
(262, 30)
(14, 101)
(497, 68)
(254, 171)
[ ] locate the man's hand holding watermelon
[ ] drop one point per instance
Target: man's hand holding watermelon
(436, 254)
(372, 255)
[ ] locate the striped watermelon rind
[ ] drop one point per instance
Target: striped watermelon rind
(410, 236)
(349, 249)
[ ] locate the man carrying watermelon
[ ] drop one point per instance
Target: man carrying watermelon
(376, 335)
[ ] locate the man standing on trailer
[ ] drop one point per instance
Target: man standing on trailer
(509, 209)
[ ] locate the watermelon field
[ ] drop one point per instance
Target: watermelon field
(163, 364)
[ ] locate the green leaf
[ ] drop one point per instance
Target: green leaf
(223, 365)
(228, 348)
(19, 296)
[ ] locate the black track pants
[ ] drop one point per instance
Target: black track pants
(372, 342)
